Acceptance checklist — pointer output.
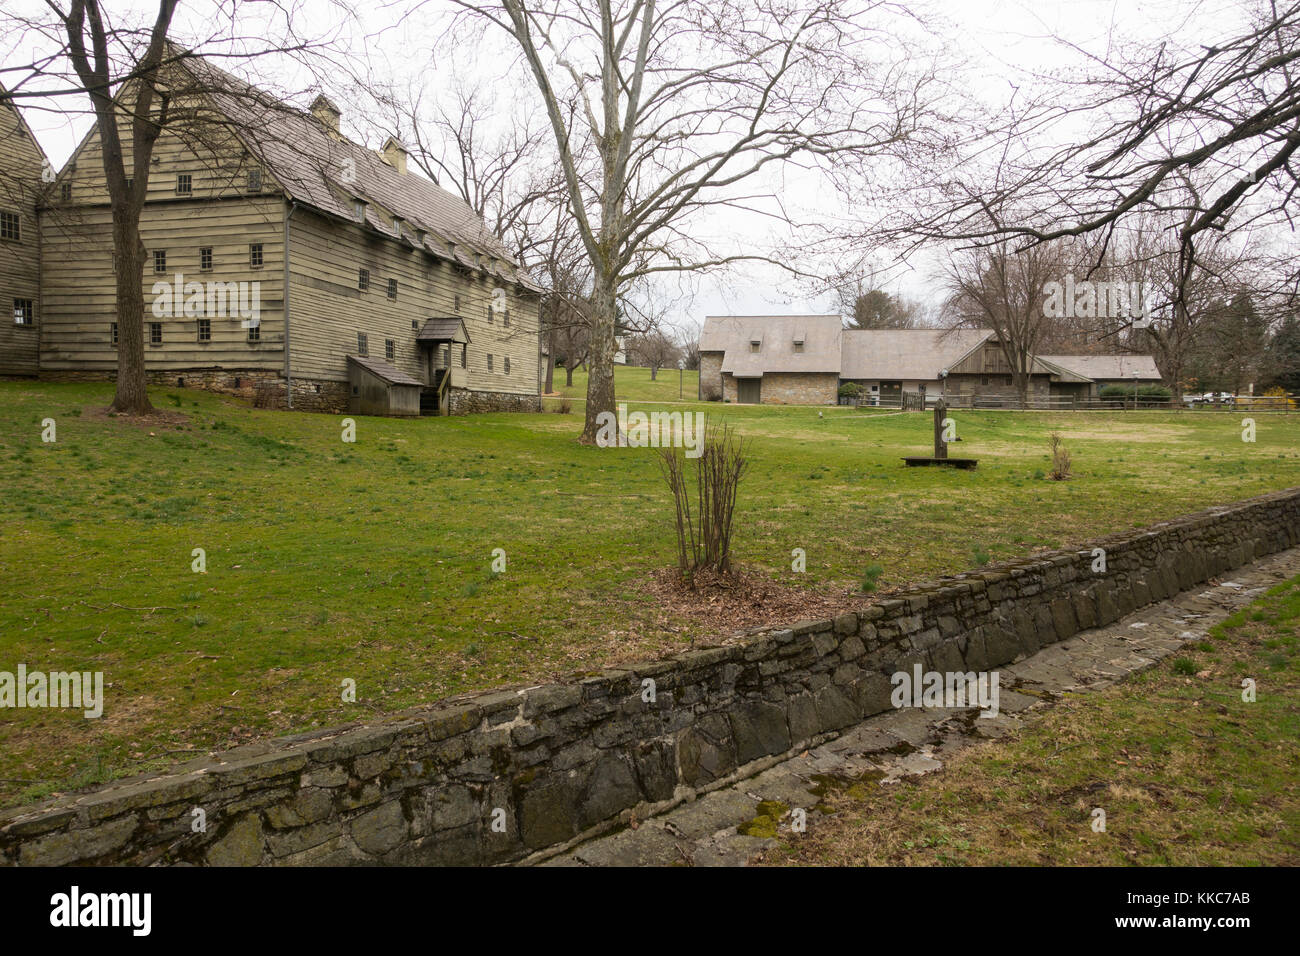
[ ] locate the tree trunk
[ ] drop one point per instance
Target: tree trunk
(654, 372)
(600, 357)
(550, 367)
(568, 373)
(131, 397)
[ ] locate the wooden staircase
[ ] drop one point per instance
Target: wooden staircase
(433, 398)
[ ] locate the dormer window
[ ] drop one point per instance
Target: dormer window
(359, 210)
(798, 343)
(755, 344)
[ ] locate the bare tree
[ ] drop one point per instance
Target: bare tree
(139, 87)
(654, 350)
(91, 45)
(995, 287)
(1224, 111)
(663, 110)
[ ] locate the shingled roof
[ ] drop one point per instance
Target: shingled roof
(904, 354)
(450, 329)
(386, 372)
(322, 169)
(776, 335)
(1106, 367)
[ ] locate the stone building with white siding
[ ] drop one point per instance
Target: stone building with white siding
(804, 359)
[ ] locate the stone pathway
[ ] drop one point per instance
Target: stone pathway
(911, 742)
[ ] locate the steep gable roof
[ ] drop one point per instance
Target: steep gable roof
(17, 182)
(733, 335)
(904, 354)
(330, 173)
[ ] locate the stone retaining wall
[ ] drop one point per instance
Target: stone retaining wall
(505, 775)
(463, 401)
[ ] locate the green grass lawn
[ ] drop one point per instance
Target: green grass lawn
(1187, 772)
(634, 385)
(372, 561)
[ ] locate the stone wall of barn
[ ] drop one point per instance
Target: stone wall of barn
(790, 388)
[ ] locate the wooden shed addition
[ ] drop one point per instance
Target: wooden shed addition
(379, 389)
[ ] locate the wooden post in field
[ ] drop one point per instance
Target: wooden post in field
(940, 413)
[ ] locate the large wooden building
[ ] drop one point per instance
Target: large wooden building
(22, 175)
(277, 249)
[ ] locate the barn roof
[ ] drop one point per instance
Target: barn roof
(384, 371)
(1108, 366)
(325, 170)
(776, 336)
(906, 353)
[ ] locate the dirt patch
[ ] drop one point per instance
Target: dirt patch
(745, 601)
(156, 421)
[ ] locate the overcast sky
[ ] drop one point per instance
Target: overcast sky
(1005, 42)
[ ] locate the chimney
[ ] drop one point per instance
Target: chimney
(394, 154)
(326, 113)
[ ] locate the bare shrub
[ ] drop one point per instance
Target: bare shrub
(563, 406)
(1060, 458)
(704, 534)
(711, 392)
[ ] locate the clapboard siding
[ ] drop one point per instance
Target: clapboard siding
(80, 297)
(327, 309)
(21, 162)
(203, 146)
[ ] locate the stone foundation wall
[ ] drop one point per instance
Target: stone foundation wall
(465, 402)
(308, 395)
(789, 388)
(502, 775)
(711, 376)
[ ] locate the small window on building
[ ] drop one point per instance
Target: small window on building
(205, 259)
(457, 306)
(754, 345)
(24, 312)
(155, 333)
(112, 333)
(65, 192)
(363, 347)
(392, 288)
(254, 180)
(489, 361)
(254, 333)
(363, 280)
(415, 324)
(184, 184)
(10, 227)
(390, 349)
(798, 345)
(489, 314)
(160, 260)
(205, 330)
(255, 258)
(505, 365)
(464, 356)
(505, 320)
